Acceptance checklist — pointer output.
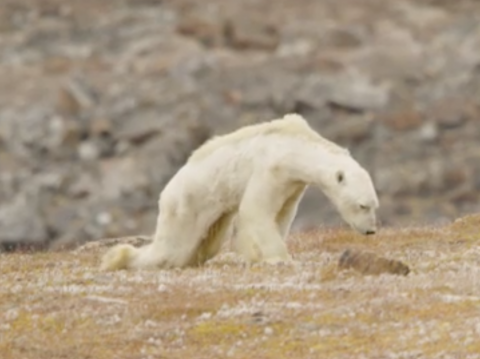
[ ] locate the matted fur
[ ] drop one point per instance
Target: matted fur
(252, 179)
(292, 125)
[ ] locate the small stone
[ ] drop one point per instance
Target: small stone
(462, 194)
(356, 92)
(327, 64)
(455, 175)
(403, 119)
(83, 185)
(310, 327)
(202, 26)
(74, 97)
(163, 288)
(231, 352)
(66, 132)
(352, 130)
(257, 314)
(258, 317)
(245, 33)
(268, 331)
(451, 112)
(21, 221)
(428, 132)
(100, 127)
(299, 47)
(88, 151)
(104, 218)
(205, 315)
(146, 126)
(122, 176)
(55, 65)
(122, 147)
(370, 264)
(342, 39)
(67, 104)
(11, 314)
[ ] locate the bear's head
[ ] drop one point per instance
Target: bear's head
(352, 192)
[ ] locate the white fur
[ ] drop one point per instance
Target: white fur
(256, 176)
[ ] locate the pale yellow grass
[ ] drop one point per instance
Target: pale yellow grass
(59, 305)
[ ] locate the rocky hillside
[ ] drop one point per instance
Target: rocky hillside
(102, 101)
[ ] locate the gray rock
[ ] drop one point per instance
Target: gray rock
(21, 221)
(313, 92)
(353, 130)
(89, 151)
(121, 176)
(428, 132)
(145, 125)
(357, 92)
(245, 33)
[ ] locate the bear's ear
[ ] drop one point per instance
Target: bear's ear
(340, 177)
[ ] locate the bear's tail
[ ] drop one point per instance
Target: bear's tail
(121, 256)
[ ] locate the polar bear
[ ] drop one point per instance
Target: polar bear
(252, 179)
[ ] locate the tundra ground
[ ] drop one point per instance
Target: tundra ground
(59, 305)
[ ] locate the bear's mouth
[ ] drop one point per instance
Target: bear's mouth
(365, 232)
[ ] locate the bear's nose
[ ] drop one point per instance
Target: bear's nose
(370, 232)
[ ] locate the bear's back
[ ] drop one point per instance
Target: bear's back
(291, 125)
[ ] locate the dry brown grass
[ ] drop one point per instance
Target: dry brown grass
(58, 305)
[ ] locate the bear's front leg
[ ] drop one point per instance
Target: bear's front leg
(260, 242)
(258, 238)
(286, 215)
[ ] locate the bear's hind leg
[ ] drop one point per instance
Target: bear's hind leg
(177, 240)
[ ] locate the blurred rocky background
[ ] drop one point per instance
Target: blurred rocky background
(102, 101)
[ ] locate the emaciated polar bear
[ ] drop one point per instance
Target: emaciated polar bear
(255, 177)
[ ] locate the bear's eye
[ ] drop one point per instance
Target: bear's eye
(340, 176)
(363, 207)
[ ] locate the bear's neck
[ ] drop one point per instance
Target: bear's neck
(313, 164)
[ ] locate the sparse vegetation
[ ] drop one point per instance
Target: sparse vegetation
(59, 305)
